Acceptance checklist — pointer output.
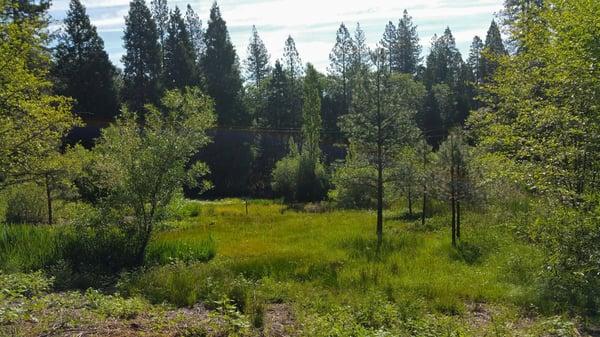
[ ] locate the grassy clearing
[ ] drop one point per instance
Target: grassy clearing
(325, 268)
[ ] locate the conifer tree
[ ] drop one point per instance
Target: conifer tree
(220, 67)
(493, 48)
(179, 69)
(408, 46)
(361, 57)
(141, 73)
(160, 14)
(82, 68)
(195, 31)
(475, 59)
(278, 113)
(341, 63)
(389, 43)
(291, 60)
(257, 61)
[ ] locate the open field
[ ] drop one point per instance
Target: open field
(284, 272)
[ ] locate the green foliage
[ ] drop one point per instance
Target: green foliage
(163, 252)
(32, 121)
(257, 62)
(142, 59)
(179, 69)
(26, 204)
(299, 177)
(143, 167)
(82, 69)
(26, 248)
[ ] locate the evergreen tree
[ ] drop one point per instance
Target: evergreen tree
(292, 61)
(141, 61)
(195, 31)
(278, 112)
(179, 69)
(341, 63)
(361, 57)
(389, 43)
(160, 13)
(475, 59)
(493, 48)
(257, 61)
(19, 10)
(409, 47)
(221, 70)
(82, 68)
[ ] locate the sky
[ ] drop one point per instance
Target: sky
(312, 23)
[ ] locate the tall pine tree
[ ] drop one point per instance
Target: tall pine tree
(141, 74)
(408, 45)
(82, 68)
(493, 48)
(196, 31)
(340, 66)
(160, 13)
(221, 70)
(257, 61)
(361, 55)
(291, 59)
(389, 43)
(475, 59)
(179, 69)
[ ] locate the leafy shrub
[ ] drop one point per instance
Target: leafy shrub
(26, 204)
(351, 187)
(299, 177)
(572, 274)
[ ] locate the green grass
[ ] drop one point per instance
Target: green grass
(324, 263)
(326, 267)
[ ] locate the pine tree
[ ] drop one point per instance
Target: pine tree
(277, 113)
(196, 31)
(19, 10)
(475, 59)
(257, 61)
(160, 14)
(389, 43)
(82, 68)
(341, 63)
(292, 61)
(179, 69)
(409, 47)
(493, 48)
(141, 61)
(361, 57)
(221, 70)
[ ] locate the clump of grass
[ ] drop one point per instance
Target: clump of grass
(27, 248)
(167, 251)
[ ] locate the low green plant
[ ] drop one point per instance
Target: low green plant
(166, 251)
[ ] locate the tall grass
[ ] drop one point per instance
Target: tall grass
(27, 248)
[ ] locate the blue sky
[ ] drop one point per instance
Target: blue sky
(312, 23)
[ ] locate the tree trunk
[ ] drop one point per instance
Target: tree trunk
(424, 208)
(379, 206)
(410, 210)
(453, 202)
(458, 219)
(49, 200)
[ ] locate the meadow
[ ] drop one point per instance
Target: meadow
(312, 272)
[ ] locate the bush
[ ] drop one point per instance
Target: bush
(350, 188)
(298, 178)
(26, 204)
(572, 274)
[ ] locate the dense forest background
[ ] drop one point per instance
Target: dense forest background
(258, 102)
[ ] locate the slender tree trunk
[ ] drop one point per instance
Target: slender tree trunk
(424, 208)
(458, 219)
(379, 204)
(453, 202)
(49, 200)
(410, 210)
